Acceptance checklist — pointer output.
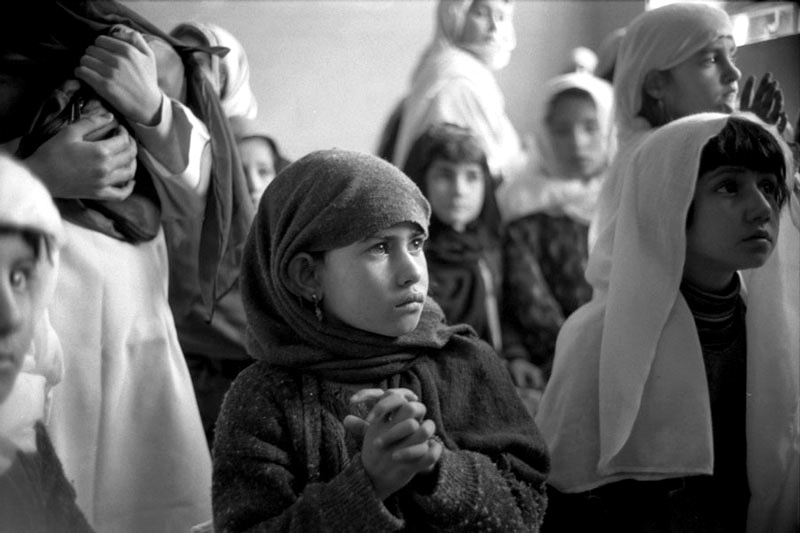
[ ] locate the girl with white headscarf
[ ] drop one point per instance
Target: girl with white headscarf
(35, 495)
(674, 406)
(548, 210)
(228, 72)
(454, 80)
(673, 61)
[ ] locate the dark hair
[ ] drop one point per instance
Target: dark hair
(747, 144)
(451, 142)
(455, 144)
(572, 92)
(37, 240)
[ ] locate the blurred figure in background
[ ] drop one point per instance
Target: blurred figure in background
(454, 81)
(228, 72)
(261, 157)
(547, 212)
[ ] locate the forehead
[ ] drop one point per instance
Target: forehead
(720, 45)
(736, 171)
(443, 165)
(14, 247)
(494, 5)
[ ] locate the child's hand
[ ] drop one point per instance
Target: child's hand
(73, 167)
(397, 443)
(122, 69)
(767, 102)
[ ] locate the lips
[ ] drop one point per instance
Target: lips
(759, 234)
(414, 298)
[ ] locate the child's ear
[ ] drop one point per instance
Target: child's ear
(654, 84)
(304, 278)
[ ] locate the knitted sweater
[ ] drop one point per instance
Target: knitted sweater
(284, 462)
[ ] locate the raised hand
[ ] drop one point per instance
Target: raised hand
(73, 167)
(397, 443)
(767, 102)
(122, 69)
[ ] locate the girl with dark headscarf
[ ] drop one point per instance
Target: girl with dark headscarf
(364, 411)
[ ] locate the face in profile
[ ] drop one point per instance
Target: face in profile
(708, 81)
(485, 20)
(734, 224)
(455, 191)
(259, 165)
(378, 284)
(575, 135)
(19, 284)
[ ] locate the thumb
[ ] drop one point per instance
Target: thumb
(133, 37)
(88, 124)
(355, 425)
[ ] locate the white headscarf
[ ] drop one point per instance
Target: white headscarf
(542, 186)
(232, 71)
(656, 40)
(446, 64)
(25, 204)
(638, 407)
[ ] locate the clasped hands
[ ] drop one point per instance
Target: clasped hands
(398, 442)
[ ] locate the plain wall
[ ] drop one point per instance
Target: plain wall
(328, 72)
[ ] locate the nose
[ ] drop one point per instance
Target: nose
(580, 138)
(459, 185)
(759, 206)
(411, 267)
(10, 313)
(731, 73)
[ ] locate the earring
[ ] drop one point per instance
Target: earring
(317, 307)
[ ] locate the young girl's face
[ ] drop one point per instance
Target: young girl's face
(576, 137)
(259, 165)
(378, 284)
(18, 286)
(455, 191)
(708, 81)
(734, 226)
(485, 18)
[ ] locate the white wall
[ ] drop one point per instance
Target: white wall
(327, 72)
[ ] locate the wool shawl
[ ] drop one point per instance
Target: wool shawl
(543, 186)
(656, 40)
(628, 397)
(326, 200)
(50, 38)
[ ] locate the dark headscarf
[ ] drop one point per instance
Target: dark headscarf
(42, 43)
(326, 200)
(456, 280)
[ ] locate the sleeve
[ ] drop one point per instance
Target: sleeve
(527, 294)
(491, 476)
(259, 480)
(177, 152)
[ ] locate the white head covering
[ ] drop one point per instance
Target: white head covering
(638, 408)
(450, 17)
(656, 40)
(451, 84)
(543, 186)
(232, 70)
(25, 204)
